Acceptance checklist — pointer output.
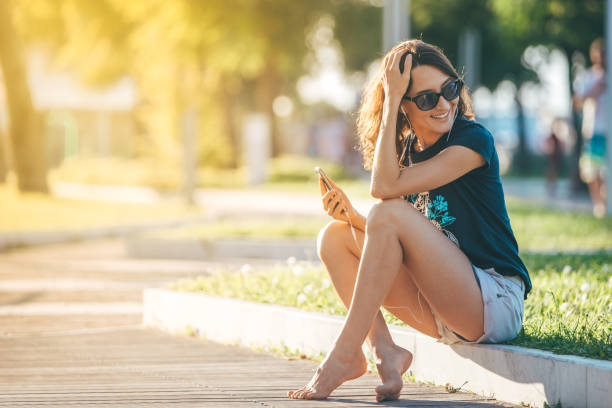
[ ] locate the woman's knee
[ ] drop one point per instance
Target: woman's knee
(330, 238)
(386, 213)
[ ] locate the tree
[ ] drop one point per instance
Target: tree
(570, 25)
(217, 57)
(25, 131)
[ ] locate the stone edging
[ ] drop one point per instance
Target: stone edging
(508, 373)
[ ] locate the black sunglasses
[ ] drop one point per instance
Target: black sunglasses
(428, 100)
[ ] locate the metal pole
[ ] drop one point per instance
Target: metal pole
(608, 105)
(396, 23)
(189, 137)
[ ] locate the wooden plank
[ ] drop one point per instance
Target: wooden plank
(98, 360)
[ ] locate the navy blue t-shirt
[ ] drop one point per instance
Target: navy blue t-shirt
(471, 210)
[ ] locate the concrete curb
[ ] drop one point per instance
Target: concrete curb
(267, 248)
(508, 373)
(16, 239)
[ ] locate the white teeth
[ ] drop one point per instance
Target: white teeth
(441, 116)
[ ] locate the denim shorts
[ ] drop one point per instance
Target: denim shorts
(503, 298)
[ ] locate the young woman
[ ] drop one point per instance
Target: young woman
(437, 250)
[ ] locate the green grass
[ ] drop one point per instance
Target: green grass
(536, 229)
(540, 228)
(35, 211)
(569, 310)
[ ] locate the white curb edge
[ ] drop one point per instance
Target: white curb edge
(507, 373)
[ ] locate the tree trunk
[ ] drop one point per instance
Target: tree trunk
(521, 161)
(267, 90)
(3, 159)
(577, 185)
(27, 143)
(228, 102)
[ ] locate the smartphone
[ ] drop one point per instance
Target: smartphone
(326, 182)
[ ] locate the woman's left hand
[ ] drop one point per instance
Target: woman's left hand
(394, 82)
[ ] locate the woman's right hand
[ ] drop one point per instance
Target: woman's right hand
(394, 82)
(337, 204)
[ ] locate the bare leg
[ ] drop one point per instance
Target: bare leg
(340, 254)
(397, 234)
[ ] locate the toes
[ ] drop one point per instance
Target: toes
(388, 388)
(299, 394)
(387, 392)
(387, 397)
(294, 394)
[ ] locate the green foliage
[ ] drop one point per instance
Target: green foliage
(568, 24)
(92, 33)
(568, 310)
(358, 28)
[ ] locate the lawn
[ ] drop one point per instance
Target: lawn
(536, 229)
(35, 211)
(569, 310)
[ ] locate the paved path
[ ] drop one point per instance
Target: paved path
(70, 335)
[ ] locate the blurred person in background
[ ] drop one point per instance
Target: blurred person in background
(592, 100)
(438, 251)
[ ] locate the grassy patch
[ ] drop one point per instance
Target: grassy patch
(538, 227)
(34, 211)
(567, 312)
(535, 228)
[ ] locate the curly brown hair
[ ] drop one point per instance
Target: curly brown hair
(370, 111)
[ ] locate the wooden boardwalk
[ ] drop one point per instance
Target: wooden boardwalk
(91, 358)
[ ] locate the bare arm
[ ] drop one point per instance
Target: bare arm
(450, 164)
(388, 180)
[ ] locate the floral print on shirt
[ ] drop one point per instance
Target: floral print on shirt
(436, 211)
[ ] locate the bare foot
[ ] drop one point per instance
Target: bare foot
(393, 364)
(332, 372)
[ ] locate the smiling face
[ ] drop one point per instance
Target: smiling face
(430, 125)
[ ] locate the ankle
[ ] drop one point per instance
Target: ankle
(381, 351)
(344, 355)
